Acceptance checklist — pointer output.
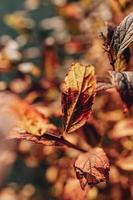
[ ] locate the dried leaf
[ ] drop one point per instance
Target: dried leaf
(126, 163)
(103, 84)
(120, 64)
(44, 140)
(123, 128)
(123, 81)
(78, 92)
(50, 60)
(24, 121)
(123, 35)
(118, 61)
(92, 167)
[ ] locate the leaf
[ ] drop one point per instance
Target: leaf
(92, 167)
(126, 163)
(78, 92)
(47, 139)
(111, 41)
(24, 121)
(50, 61)
(103, 83)
(123, 81)
(72, 191)
(123, 128)
(123, 35)
(120, 63)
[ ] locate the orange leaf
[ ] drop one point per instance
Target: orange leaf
(50, 61)
(123, 128)
(47, 139)
(20, 120)
(78, 92)
(126, 162)
(72, 191)
(92, 167)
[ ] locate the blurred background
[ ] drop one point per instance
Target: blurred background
(39, 39)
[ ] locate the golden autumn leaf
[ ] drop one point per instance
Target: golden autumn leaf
(78, 92)
(92, 167)
(24, 121)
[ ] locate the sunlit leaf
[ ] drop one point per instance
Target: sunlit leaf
(24, 121)
(92, 167)
(78, 92)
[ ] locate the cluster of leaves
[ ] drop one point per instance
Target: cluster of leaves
(96, 139)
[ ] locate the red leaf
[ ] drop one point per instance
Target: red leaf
(78, 92)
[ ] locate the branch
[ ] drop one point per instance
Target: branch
(62, 140)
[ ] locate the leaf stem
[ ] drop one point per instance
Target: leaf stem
(62, 140)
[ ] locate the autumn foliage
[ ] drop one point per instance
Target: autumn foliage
(81, 124)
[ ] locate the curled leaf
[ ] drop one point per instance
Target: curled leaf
(123, 81)
(92, 167)
(112, 42)
(78, 92)
(123, 35)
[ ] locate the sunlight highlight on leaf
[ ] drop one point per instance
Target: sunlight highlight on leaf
(78, 92)
(19, 120)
